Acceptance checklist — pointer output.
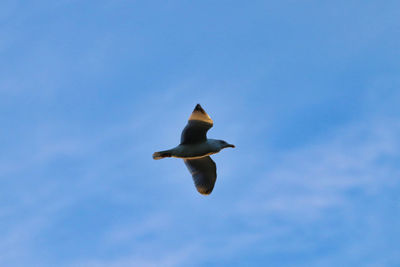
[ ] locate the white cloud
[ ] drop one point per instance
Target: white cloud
(313, 178)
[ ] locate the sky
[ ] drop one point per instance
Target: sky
(308, 91)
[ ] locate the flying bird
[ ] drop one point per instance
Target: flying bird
(195, 150)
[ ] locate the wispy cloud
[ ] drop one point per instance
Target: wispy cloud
(89, 92)
(307, 187)
(313, 178)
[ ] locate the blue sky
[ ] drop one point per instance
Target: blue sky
(308, 91)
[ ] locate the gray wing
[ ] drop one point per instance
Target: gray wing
(196, 129)
(204, 173)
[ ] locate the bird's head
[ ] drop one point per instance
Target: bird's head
(224, 144)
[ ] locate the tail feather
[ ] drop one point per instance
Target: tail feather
(162, 154)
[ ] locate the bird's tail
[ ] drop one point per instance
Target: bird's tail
(162, 154)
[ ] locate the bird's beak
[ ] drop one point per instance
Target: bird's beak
(230, 145)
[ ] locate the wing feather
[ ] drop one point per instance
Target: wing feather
(196, 129)
(204, 173)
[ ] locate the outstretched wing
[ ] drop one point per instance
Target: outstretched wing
(204, 173)
(196, 129)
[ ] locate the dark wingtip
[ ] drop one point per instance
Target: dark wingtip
(199, 108)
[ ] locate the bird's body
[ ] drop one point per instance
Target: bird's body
(192, 151)
(195, 150)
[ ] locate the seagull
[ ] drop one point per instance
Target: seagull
(195, 150)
